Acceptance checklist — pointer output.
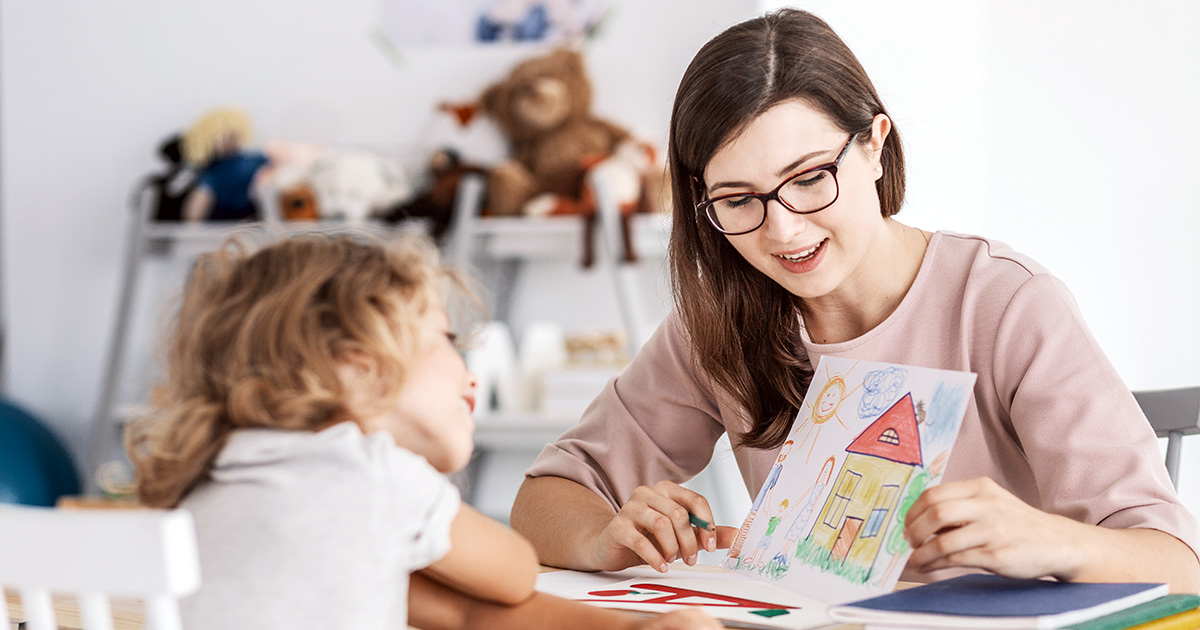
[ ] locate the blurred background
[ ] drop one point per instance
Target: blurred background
(1060, 128)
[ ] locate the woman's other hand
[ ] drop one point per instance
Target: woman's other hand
(978, 524)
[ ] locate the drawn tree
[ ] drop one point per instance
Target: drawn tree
(895, 543)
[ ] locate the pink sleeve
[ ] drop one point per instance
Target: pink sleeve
(1092, 452)
(656, 421)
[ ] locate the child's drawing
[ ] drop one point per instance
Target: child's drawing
(647, 593)
(775, 518)
(881, 389)
(800, 525)
(844, 517)
(764, 494)
(833, 393)
(736, 600)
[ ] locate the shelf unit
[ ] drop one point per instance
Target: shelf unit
(506, 242)
(501, 246)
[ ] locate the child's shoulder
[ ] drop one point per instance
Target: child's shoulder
(340, 451)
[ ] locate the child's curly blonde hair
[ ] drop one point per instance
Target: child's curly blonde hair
(258, 338)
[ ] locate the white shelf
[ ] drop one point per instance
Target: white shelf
(203, 232)
(561, 236)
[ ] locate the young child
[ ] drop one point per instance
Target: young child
(312, 402)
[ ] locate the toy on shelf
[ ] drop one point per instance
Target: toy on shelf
(284, 188)
(218, 146)
(354, 185)
(298, 202)
(436, 202)
(171, 187)
(310, 182)
(543, 107)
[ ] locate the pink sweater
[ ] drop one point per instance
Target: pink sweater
(1050, 419)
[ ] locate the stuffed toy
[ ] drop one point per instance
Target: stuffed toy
(543, 107)
(171, 187)
(217, 145)
(436, 203)
(307, 182)
(354, 185)
(298, 203)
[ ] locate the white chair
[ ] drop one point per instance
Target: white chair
(1173, 413)
(148, 555)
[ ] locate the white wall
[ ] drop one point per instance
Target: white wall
(88, 90)
(1064, 129)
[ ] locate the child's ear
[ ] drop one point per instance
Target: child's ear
(358, 373)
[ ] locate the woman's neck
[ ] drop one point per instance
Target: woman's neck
(874, 289)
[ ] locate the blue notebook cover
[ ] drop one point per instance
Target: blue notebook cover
(991, 601)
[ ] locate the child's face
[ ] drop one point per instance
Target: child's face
(432, 415)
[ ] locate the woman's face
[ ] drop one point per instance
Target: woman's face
(814, 255)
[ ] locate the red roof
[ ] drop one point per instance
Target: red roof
(901, 419)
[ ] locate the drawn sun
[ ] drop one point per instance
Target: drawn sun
(832, 395)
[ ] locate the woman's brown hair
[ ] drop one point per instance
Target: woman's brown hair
(257, 340)
(743, 327)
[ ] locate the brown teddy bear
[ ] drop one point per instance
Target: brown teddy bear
(544, 108)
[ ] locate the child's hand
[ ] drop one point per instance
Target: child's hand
(686, 619)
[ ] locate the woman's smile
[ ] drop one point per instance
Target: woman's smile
(803, 260)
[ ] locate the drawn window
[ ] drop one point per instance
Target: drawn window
(841, 498)
(883, 503)
(889, 436)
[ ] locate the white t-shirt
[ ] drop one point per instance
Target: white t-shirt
(315, 530)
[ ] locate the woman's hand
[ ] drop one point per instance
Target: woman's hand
(653, 527)
(978, 524)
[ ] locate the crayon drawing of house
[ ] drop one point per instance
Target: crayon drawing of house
(879, 462)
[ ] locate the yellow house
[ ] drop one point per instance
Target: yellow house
(853, 523)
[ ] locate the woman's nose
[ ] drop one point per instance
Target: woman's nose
(782, 224)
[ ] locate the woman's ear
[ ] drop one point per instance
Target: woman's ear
(881, 126)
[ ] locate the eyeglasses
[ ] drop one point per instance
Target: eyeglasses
(811, 190)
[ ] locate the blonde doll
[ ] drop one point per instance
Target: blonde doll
(314, 399)
(218, 146)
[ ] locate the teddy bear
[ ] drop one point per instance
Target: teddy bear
(543, 107)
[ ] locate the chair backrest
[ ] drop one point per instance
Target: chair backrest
(1173, 413)
(148, 555)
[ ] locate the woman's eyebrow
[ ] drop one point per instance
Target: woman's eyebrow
(787, 170)
(791, 168)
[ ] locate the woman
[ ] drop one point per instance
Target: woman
(1055, 471)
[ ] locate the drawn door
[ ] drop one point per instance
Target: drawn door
(841, 547)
